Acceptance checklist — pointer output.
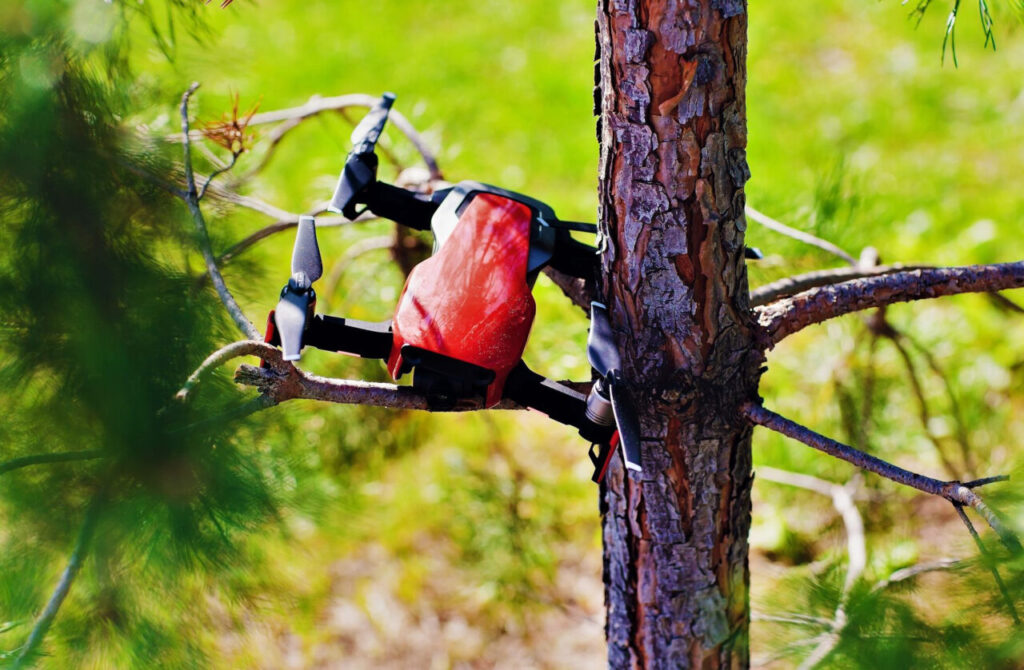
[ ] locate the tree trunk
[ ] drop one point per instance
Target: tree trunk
(673, 164)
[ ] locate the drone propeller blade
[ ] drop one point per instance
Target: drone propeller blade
(361, 165)
(604, 358)
(628, 422)
(290, 316)
(367, 132)
(601, 351)
(306, 252)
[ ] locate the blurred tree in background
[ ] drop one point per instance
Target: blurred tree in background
(415, 540)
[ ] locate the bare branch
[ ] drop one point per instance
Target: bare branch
(225, 354)
(216, 173)
(318, 105)
(785, 317)
(282, 381)
(395, 117)
(904, 574)
(952, 491)
(45, 619)
(298, 384)
(788, 286)
(38, 459)
(807, 238)
(192, 200)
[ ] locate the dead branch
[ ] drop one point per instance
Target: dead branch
(283, 381)
(953, 491)
(192, 200)
(788, 286)
(985, 481)
(216, 173)
(317, 105)
(785, 317)
(294, 383)
(807, 238)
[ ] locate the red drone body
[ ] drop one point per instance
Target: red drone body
(471, 301)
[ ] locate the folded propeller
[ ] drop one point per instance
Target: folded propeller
(361, 164)
(298, 298)
(605, 359)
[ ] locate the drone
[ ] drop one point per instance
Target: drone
(462, 321)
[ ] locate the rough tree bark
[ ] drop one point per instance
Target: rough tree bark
(670, 90)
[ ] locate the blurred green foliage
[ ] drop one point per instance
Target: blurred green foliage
(354, 516)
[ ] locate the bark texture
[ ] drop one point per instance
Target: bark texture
(671, 77)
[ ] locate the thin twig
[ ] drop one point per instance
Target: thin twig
(785, 317)
(952, 491)
(904, 574)
(781, 228)
(38, 459)
(219, 171)
(192, 199)
(985, 481)
(282, 225)
(45, 619)
(1003, 302)
(988, 559)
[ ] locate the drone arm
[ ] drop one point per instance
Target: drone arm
(359, 338)
(574, 258)
(400, 205)
(561, 403)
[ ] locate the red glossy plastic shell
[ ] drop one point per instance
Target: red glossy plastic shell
(470, 300)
